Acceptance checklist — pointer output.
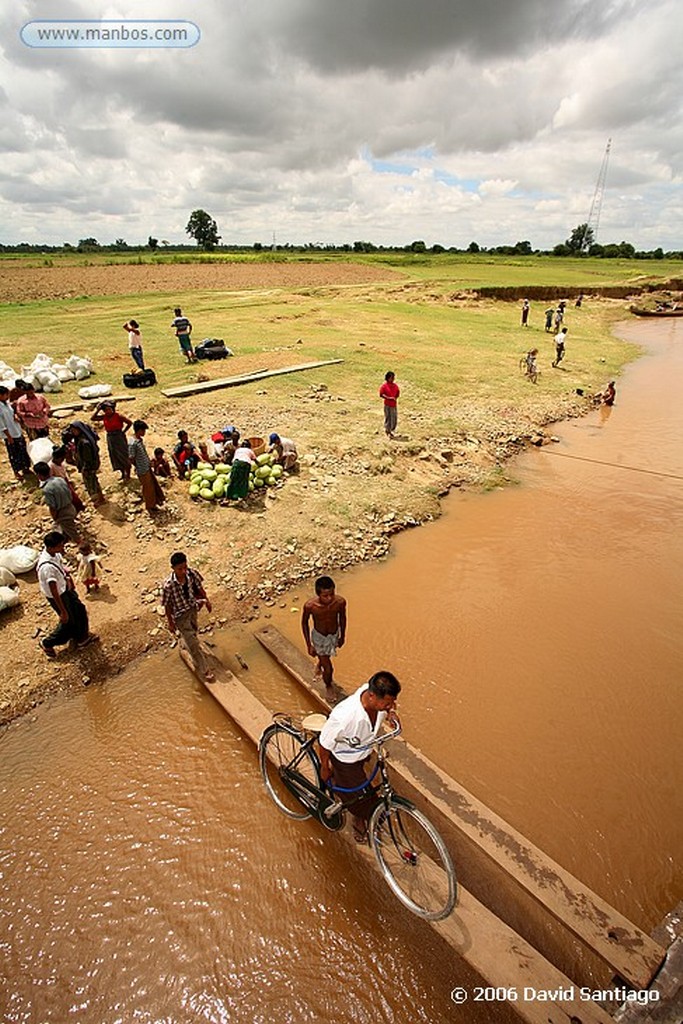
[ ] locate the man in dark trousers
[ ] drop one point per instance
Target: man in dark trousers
(182, 596)
(58, 586)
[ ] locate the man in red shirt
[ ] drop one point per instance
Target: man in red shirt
(390, 391)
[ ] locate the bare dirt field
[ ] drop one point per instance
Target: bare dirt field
(29, 284)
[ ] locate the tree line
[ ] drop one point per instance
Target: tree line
(202, 228)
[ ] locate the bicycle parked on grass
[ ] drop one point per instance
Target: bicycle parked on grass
(411, 854)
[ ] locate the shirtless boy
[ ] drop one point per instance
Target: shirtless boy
(328, 611)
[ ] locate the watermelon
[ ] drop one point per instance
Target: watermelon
(263, 460)
(204, 465)
(263, 472)
(194, 490)
(222, 467)
(218, 487)
(276, 471)
(207, 494)
(271, 481)
(259, 482)
(209, 475)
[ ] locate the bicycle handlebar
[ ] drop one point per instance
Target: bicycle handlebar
(377, 741)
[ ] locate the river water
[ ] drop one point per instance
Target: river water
(537, 631)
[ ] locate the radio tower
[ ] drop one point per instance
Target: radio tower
(593, 221)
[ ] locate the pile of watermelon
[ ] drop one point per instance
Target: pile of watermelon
(211, 482)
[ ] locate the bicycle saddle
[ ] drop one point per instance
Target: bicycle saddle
(314, 723)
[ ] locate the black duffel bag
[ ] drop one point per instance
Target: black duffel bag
(140, 379)
(212, 348)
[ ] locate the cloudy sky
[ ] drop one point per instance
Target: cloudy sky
(336, 120)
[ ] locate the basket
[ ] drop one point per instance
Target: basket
(258, 445)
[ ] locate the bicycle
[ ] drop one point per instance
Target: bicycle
(411, 855)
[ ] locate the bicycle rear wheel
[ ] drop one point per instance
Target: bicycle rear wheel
(413, 858)
(280, 751)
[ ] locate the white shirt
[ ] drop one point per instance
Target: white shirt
(134, 339)
(244, 455)
(288, 446)
(8, 420)
(51, 568)
(348, 726)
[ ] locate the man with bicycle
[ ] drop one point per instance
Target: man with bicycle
(351, 725)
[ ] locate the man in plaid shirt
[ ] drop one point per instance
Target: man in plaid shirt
(182, 596)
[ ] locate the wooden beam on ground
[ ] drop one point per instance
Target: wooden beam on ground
(244, 378)
(498, 955)
(629, 952)
(85, 403)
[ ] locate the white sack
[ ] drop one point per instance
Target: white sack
(19, 558)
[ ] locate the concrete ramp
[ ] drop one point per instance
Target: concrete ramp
(496, 952)
(629, 952)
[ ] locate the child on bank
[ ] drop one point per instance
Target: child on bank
(89, 567)
(160, 464)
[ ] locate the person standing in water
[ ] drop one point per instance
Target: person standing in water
(328, 612)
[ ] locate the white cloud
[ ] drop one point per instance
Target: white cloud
(275, 119)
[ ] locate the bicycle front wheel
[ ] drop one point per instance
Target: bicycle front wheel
(281, 752)
(413, 858)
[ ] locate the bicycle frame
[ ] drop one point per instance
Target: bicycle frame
(331, 812)
(411, 855)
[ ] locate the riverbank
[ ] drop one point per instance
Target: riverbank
(465, 409)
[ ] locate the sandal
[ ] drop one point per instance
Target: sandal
(49, 652)
(361, 836)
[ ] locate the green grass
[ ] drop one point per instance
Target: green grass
(447, 358)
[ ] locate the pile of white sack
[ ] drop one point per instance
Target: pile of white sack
(18, 559)
(9, 589)
(47, 375)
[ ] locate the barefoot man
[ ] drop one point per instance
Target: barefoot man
(328, 611)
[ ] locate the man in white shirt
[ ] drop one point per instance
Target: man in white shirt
(560, 339)
(11, 433)
(351, 725)
(284, 449)
(57, 585)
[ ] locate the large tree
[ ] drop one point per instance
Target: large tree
(203, 229)
(581, 239)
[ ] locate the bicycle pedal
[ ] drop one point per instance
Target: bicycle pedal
(333, 809)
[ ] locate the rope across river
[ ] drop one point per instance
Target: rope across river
(613, 465)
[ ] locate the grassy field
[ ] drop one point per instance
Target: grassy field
(443, 353)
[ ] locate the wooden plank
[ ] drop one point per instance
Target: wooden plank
(629, 952)
(243, 378)
(500, 956)
(84, 403)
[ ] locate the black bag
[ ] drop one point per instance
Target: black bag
(212, 348)
(141, 379)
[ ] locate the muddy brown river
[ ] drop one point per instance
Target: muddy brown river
(537, 631)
